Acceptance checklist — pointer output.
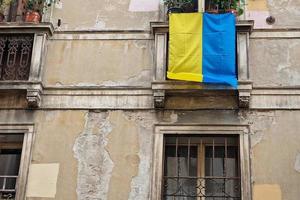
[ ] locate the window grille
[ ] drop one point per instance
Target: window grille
(15, 56)
(201, 168)
(10, 157)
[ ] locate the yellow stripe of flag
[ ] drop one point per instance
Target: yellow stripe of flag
(185, 47)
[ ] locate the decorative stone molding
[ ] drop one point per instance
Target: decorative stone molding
(33, 85)
(245, 89)
(34, 97)
(159, 98)
(161, 85)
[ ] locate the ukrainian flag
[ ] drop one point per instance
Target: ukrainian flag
(202, 48)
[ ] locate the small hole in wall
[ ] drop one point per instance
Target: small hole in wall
(270, 20)
(59, 22)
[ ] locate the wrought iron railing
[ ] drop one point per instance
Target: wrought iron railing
(7, 187)
(15, 56)
(202, 188)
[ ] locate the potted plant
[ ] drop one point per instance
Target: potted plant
(3, 7)
(35, 9)
(223, 6)
(177, 6)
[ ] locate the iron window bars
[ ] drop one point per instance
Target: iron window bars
(15, 56)
(201, 168)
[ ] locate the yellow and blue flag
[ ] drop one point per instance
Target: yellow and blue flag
(202, 48)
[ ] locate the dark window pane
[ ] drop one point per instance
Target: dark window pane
(10, 157)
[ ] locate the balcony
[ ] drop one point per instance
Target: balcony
(22, 52)
(166, 91)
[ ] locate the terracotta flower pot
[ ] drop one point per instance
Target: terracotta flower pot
(233, 11)
(2, 17)
(32, 16)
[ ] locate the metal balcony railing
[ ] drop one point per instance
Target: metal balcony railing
(7, 187)
(15, 56)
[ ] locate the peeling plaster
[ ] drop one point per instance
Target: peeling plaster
(113, 57)
(94, 163)
(140, 184)
(141, 79)
(260, 122)
(280, 56)
(283, 10)
(266, 120)
(123, 147)
(297, 163)
(116, 15)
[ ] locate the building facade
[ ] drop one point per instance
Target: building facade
(87, 112)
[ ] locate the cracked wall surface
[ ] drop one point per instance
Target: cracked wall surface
(280, 66)
(94, 163)
(107, 155)
(103, 15)
(273, 156)
(282, 11)
(286, 12)
(56, 132)
(99, 62)
(114, 156)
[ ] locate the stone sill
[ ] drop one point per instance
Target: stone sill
(17, 27)
(186, 85)
(161, 89)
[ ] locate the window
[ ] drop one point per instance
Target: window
(15, 155)
(15, 56)
(201, 168)
(10, 157)
(201, 162)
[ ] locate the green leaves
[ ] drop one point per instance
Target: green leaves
(180, 4)
(225, 5)
(38, 5)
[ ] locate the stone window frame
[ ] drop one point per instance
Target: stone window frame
(161, 130)
(28, 131)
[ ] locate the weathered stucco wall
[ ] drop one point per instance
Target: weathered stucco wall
(56, 132)
(106, 14)
(280, 65)
(108, 154)
(275, 153)
(286, 13)
(99, 62)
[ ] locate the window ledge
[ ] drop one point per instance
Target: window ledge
(17, 27)
(161, 89)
